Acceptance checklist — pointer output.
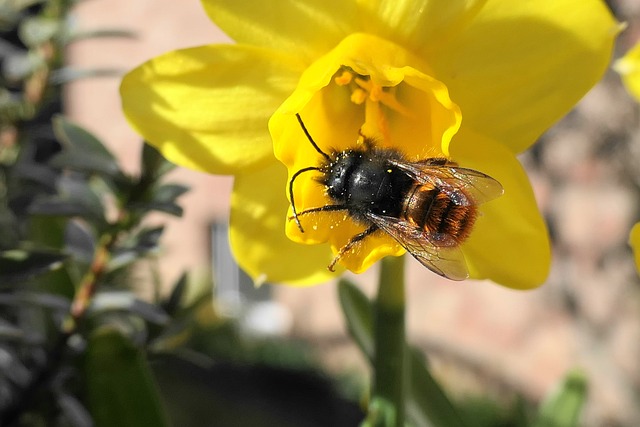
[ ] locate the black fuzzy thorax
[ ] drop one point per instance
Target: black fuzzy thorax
(366, 181)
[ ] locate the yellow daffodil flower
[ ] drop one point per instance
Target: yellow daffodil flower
(476, 81)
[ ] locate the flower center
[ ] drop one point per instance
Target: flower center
(364, 91)
(368, 87)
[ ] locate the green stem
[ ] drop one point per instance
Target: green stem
(389, 334)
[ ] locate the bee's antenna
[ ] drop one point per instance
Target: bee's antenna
(293, 203)
(306, 132)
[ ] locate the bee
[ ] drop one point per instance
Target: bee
(429, 206)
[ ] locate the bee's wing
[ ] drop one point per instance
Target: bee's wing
(438, 252)
(448, 177)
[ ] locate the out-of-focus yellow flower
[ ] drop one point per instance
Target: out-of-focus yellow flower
(634, 242)
(477, 81)
(629, 68)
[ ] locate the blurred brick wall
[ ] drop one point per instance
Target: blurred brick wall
(160, 25)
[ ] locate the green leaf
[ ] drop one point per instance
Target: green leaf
(480, 410)
(381, 413)
(102, 33)
(166, 207)
(76, 198)
(122, 258)
(80, 240)
(19, 65)
(73, 411)
(9, 231)
(67, 74)
(153, 164)
(59, 206)
(47, 231)
(358, 313)
(12, 11)
(125, 301)
(121, 390)
(36, 299)
(19, 265)
(562, 407)
(426, 402)
(37, 30)
(148, 239)
(169, 192)
(9, 332)
(82, 151)
(173, 303)
(137, 246)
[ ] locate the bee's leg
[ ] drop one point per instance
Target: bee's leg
(437, 161)
(327, 208)
(350, 244)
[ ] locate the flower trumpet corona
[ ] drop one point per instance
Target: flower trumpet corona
(449, 85)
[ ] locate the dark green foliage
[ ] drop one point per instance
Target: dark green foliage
(54, 235)
(57, 181)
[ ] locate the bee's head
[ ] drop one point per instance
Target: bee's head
(336, 175)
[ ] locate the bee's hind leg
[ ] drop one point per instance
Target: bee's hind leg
(355, 240)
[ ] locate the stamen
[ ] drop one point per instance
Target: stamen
(384, 95)
(372, 95)
(344, 79)
(376, 121)
(358, 96)
(375, 93)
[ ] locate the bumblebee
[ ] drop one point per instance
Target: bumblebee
(429, 206)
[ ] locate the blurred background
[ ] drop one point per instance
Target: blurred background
(587, 181)
(481, 338)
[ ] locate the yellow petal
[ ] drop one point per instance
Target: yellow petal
(519, 66)
(510, 243)
(634, 242)
(207, 108)
(417, 24)
(307, 29)
(259, 244)
(629, 68)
